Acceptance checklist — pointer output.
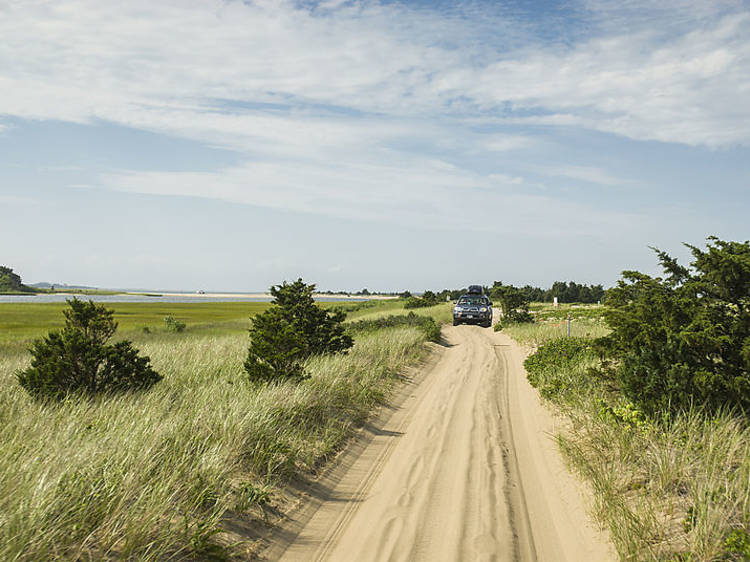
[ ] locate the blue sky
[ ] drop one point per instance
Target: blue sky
(229, 145)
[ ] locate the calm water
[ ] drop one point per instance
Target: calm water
(140, 298)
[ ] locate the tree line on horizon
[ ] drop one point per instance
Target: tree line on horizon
(10, 282)
(565, 291)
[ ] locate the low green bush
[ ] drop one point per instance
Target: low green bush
(550, 368)
(173, 325)
(417, 302)
(430, 328)
(78, 358)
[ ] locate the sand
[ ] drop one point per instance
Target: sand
(462, 466)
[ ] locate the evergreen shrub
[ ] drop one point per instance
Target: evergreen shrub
(79, 359)
(293, 329)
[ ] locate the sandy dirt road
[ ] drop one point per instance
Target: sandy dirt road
(462, 467)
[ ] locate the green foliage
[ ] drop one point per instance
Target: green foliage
(625, 416)
(428, 298)
(78, 358)
(737, 545)
(574, 292)
(550, 367)
(293, 329)
(513, 303)
(10, 282)
(25, 321)
(250, 495)
(417, 302)
(684, 339)
(430, 328)
(566, 292)
(135, 458)
(173, 325)
(277, 348)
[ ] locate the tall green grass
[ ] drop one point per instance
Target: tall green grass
(156, 476)
(24, 321)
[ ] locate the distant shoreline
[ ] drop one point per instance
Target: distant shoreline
(260, 295)
(170, 296)
(65, 293)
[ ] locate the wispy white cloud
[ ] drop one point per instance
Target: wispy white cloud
(370, 110)
(438, 196)
(143, 63)
(588, 174)
(503, 143)
(506, 179)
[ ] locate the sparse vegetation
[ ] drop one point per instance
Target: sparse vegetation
(171, 324)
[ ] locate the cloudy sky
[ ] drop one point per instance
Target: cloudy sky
(228, 145)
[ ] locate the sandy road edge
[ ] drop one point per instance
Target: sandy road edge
(307, 494)
(557, 502)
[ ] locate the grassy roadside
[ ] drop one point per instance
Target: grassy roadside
(551, 322)
(159, 476)
(676, 488)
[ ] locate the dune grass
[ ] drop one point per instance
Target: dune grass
(673, 488)
(157, 475)
(670, 491)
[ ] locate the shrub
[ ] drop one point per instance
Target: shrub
(79, 359)
(424, 323)
(513, 303)
(293, 329)
(548, 369)
(684, 339)
(173, 325)
(428, 298)
(417, 302)
(11, 282)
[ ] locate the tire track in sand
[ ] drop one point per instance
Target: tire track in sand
(446, 477)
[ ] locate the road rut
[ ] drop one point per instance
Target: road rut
(463, 468)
